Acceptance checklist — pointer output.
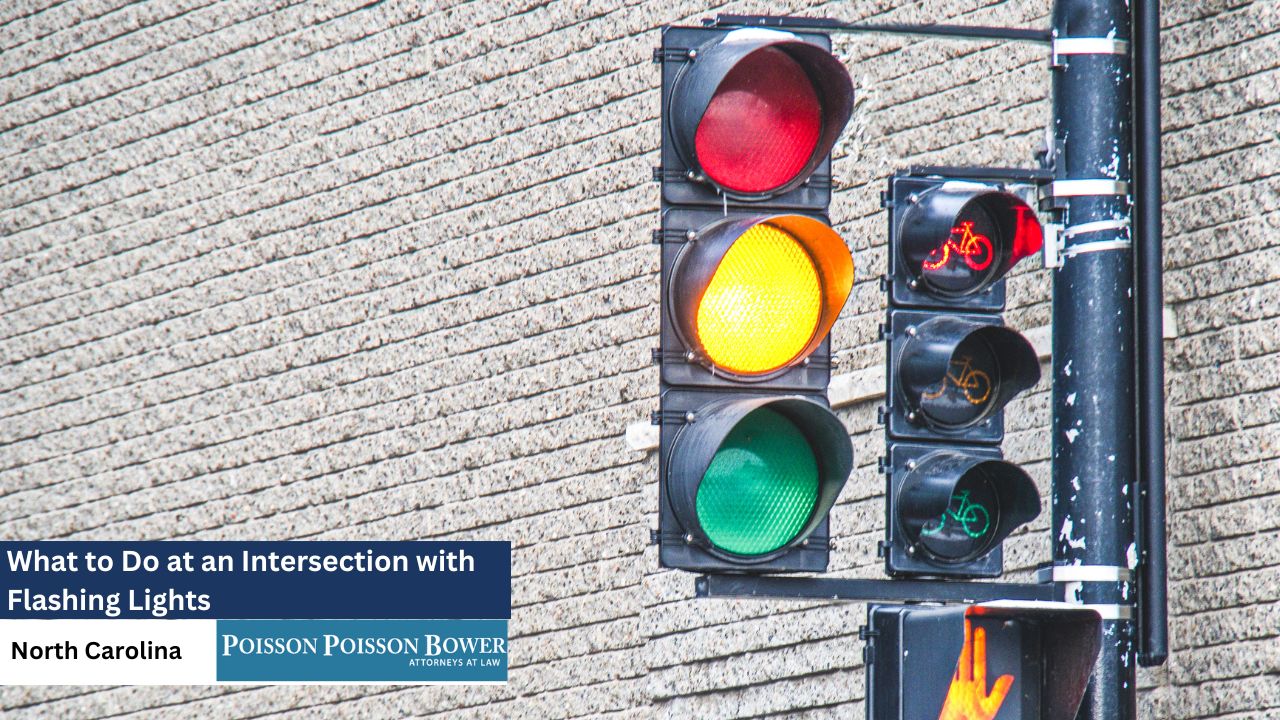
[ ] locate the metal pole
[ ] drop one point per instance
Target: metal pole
(1153, 583)
(1094, 443)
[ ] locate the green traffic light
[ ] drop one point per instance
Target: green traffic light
(761, 486)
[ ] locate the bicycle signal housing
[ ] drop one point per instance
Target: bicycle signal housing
(955, 373)
(956, 239)
(951, 499)
(953, 509)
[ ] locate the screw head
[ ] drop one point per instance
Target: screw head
(691, 235)
(690, 356)
(911, 416)
(913, 198)
(693, 54)
(911, 330)
(911, 549)
(914, 284)
(911, 464)
(690, 417)
(688, 539)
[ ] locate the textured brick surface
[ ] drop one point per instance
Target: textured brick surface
(342, 269)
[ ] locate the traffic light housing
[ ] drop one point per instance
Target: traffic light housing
(994, 661)
(952, 509)
(955, 238)
(753, 295)
(751, 458)
(954, 373)
(750, 480)
(750, 114)
(952, 366)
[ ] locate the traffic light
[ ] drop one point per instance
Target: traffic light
(995, 661)
(751, 458)
(751, 115)
(952, 367)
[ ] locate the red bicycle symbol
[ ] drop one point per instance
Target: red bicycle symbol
(974, 249)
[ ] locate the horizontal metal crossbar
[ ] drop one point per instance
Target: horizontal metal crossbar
(960, 32)
(859, 590)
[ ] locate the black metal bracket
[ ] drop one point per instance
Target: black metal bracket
(960, 32)
(1030, 176)
(671, 54)
(859, 590)
(660, 356)
(668, 417)
(665, 235)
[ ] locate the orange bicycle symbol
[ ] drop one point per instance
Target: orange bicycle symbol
(973, 248)
(975, 384)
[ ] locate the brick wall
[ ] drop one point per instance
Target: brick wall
(342, 269)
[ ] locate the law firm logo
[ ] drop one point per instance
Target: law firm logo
(428, 651)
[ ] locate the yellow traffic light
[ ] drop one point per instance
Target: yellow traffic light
(762, 306)
(756, 295)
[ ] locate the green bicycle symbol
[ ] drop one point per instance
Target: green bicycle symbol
(972, 518)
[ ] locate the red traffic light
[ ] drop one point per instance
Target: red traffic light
(756, 111)
(762, 126)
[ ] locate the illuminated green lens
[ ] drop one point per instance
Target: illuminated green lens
(761, 486)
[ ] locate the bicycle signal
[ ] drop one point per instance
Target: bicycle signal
(973, 249)
(955, 241)
(953, 509)
(952, 368)
(973, 383)
(971, 518)
(951, 375)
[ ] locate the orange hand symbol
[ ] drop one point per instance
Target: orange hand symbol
(968, 699)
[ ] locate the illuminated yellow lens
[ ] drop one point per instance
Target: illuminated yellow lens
(763, 303)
